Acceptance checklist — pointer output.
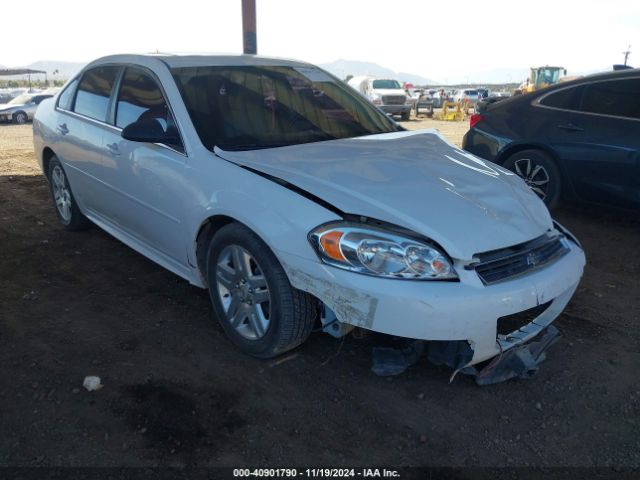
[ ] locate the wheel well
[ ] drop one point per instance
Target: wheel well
(564, 177)
(510, 150)
(206, 232)
(47, 154)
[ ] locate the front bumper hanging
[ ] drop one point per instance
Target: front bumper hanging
(521, 361)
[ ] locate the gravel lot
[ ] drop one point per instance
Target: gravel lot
(176, 393)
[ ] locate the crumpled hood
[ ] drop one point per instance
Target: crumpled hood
(416, 180)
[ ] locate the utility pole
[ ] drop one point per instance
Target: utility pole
(249, 37)
(626, 54)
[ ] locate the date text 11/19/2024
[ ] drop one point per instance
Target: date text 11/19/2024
(316, 473)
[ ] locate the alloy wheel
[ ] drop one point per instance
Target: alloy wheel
(21, 118)
(534, 175)
(244, 292)
(61, 193)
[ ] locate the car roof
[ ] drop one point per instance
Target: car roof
(199, 60)
(528, 97)
(611, 75)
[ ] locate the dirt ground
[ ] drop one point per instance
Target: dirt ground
(177, 393)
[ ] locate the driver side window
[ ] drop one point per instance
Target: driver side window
(140, 98)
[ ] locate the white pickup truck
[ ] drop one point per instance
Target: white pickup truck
(386, 93)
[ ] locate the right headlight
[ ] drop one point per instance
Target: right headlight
(381, 253)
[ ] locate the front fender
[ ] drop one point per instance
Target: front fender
(281, 217)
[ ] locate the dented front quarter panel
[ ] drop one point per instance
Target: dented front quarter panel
(428, 310)
(421, 182)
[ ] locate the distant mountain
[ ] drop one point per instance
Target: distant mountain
(342, 68)
(494, 76)
(511, 75)
(64, 69)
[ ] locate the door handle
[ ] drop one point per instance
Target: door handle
(570, 127)
(62, 128)
(113, 149)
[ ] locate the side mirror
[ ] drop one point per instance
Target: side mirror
(148, 130)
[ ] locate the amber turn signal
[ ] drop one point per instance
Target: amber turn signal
(330, 243)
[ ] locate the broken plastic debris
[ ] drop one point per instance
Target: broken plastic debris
(519, 362)
(92, 383)
(389, 361)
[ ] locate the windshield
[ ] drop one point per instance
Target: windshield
(21, 99)
(548, 75)
(244, 108)
(390, 84)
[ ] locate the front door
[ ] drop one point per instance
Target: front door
(149, 180)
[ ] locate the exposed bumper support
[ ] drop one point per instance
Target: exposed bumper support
(519, 362)
(522, 361)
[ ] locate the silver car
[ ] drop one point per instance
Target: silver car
(300, 205)
(468, 95)
(22, 108)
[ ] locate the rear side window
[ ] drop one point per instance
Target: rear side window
(94, 91)
(140, 98)
(65, 100)
(567, 98)
(616, 97)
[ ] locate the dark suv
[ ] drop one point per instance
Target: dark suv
(576, 140)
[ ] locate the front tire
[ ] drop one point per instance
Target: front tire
(539, 172)
(67, 209)
(406, 116)
(259, 310)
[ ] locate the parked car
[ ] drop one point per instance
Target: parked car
(22, 108)
(439, 97)
(385, 93)
(423, 103)
(578, 140)
(295, 201)
(483, 103)
(482, 93)
(466, 95)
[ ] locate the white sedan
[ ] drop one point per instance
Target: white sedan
(298, 204)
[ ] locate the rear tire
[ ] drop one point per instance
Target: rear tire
(259, 310)
(20, 118)
(540, 172)
(64, 202)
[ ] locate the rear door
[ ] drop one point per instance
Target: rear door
(82, 112)
(609, 169)
(596, 133)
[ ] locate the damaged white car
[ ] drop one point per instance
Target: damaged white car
(296, 202)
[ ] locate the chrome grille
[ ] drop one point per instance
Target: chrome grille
(499, 265)
(393, 99)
